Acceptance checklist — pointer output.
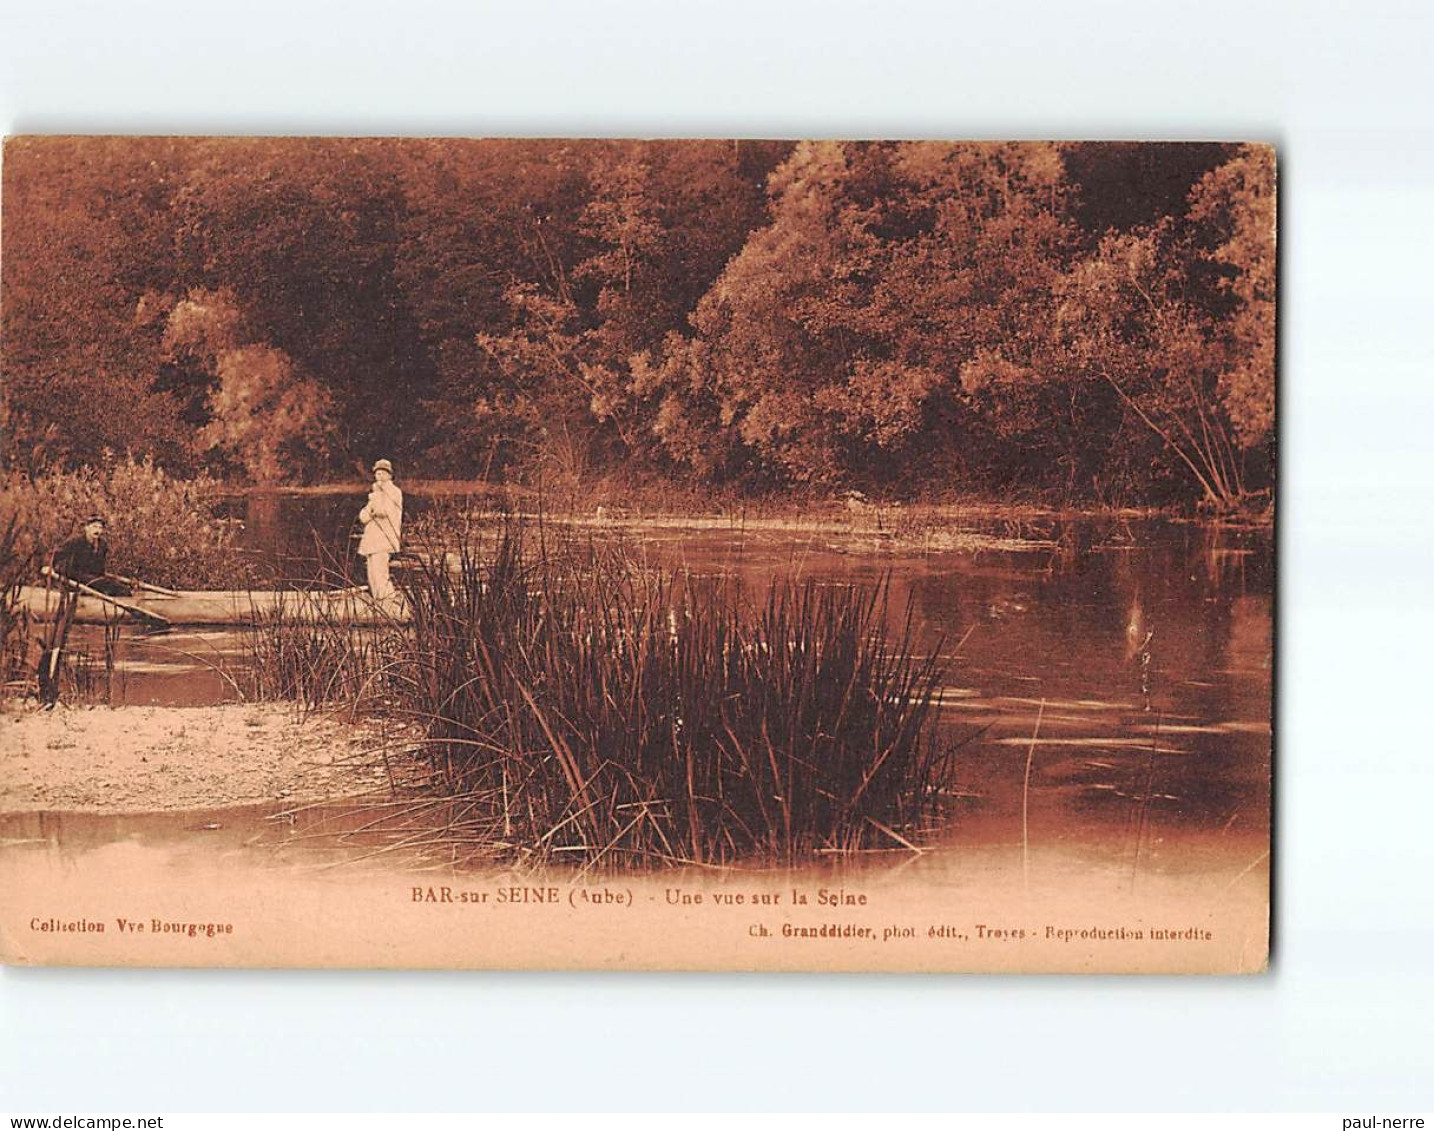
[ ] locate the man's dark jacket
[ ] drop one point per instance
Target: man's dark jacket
(80, 561)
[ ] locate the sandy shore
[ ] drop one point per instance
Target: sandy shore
(152, 759)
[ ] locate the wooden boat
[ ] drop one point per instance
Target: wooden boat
(220, 607)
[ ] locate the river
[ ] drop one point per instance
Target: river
(1110, 680)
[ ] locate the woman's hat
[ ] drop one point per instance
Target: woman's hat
(383, 465)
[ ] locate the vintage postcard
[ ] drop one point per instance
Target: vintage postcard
(714, 554)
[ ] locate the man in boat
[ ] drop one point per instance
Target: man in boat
(382, 518)
(83, 558)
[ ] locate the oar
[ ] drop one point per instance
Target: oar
(138, 584)
(133, 610)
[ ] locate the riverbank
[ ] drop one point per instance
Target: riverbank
(865, 527)
(678, 501)
(852, 523)
(163, 759)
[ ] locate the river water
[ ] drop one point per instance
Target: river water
(1110, 680)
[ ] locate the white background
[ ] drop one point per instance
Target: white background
(1343, 1022)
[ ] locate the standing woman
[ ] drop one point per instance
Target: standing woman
(382, 519)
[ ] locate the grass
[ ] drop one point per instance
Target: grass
(573, 705)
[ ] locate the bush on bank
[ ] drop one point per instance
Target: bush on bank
(160, 528)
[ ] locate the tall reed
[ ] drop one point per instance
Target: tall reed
(617, 713)
(298, 651)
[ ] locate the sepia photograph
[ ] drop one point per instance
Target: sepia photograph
(651, 555)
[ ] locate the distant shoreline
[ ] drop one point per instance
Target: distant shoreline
(675, 503)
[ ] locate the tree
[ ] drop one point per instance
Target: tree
(85, 238)
(836, 339)
(915, 317)
(1177, 318)
(648, 228)
(1235, 203)
(258, 411)
(304, 233)
(1123, 319)
(266, 417)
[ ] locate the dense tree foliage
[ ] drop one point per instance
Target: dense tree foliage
(924, 318)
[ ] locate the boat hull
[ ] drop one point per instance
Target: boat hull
(234, 607)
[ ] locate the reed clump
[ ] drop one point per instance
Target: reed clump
(597, 709)
(571, 704)
(319, 661)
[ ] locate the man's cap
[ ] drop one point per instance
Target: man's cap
(97, 518)
(383, 465)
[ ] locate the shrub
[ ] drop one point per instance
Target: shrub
(161, 529)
